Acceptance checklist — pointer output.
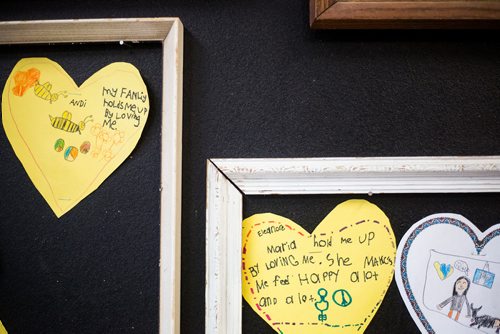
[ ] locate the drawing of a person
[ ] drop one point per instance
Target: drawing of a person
(458, 298)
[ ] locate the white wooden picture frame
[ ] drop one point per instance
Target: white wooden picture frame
(169, 32)
(228, 180)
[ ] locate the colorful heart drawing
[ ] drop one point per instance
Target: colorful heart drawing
(468, 300)
(443, 270)
(69, 138)
(330, 281)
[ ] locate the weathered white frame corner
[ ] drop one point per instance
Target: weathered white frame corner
(169, 32)
(229, 179)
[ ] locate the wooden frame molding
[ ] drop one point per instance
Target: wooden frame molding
(169, 32)
(404, 14)
(228, 180)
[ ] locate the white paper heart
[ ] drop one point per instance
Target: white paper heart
(446, 302)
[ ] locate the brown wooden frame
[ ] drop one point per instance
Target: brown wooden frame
(404, 14)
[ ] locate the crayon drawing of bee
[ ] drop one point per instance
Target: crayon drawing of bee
(44, 92)
(64, 123)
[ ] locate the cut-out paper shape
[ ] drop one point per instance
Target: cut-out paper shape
(446, 306)
(330, 281)
(49, 121)
(443, 270)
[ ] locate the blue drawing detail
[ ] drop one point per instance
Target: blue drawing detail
(344, 300)
(445, 269)
(484, 277)
(322, 305)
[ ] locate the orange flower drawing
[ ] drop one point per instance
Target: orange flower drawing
(25, 80)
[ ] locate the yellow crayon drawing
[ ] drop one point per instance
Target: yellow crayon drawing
(44, 92)
(64, 123)
(106, 140)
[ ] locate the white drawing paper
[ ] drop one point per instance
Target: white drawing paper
(447, 272)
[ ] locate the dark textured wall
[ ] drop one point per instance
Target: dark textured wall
(257, 83)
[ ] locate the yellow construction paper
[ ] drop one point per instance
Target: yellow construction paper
(330, 281)
(2, 329)
(69, 138)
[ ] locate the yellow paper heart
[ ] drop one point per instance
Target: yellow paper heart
(330, 281)
(69, 138)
